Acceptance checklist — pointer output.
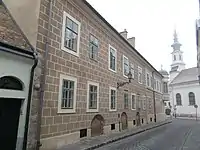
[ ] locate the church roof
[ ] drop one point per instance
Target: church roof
(164, 72)
(186, 75)
(10, 32)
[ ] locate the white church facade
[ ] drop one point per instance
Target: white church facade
(184, 87)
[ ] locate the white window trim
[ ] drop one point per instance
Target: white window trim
(112, 88)
(149, 80)
(132, 64)
(65, 15)
(65, 77)
(124, 57)
(132, 101)
(95, 84)
(139, 71)
(109, 59)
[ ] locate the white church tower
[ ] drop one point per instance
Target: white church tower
(177, 58)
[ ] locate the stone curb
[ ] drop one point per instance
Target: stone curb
(125, 136)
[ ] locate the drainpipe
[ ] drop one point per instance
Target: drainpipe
(35, 56)
(43, 80)
(154, 99)
(29, 101)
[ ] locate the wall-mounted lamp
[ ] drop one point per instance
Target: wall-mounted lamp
(119, 84)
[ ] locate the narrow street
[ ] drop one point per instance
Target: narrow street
(179, 135)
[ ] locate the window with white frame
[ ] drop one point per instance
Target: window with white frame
(148, 80)
(70, 34)
(125, 100)
(125, 66)
(132, 69)
(93, 97)
(140, 75)
(152, 82)
(112, 99)
(157, 86)
(133, 101)
(67, 94)
(93, 47)
(160, 86)
(112, 59)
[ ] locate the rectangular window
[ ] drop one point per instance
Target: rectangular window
(157, 86)
(93, 47)
(165, 87)
(160, 87)
(132, 69)
(140, 75)
(112, 59)
(93, 97)
(134, 122)
(125, 66)
(67, 94)
(83, 133)
(70, 34)
(125, 100)
(112, 99)
(133, 102)
(148, 79)
(152, 82)
(112, 126)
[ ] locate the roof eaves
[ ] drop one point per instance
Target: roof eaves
(103, 19)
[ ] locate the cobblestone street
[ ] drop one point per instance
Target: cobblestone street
(179, 135)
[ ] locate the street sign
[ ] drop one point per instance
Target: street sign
(195, 106)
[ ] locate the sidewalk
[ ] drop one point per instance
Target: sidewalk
(95, 142)
(187, 118)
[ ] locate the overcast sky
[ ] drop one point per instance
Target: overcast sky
(152, 23)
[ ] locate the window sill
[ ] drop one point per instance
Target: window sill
(112, 70)
(92, 110)
(66, 111)
(125, 76)
(70, 51)
(112, 110)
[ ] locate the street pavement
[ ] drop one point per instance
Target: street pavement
(179, 135)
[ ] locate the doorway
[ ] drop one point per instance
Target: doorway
(9, 120)
(124, 120)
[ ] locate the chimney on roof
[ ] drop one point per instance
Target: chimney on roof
(131, 41)
(124, 34)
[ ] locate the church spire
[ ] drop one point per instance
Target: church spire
(176, 45)
(175, 36)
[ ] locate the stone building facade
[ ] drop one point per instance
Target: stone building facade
(85, 59)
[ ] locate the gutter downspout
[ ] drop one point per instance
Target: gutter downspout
(29, 102)
(35, 56)
(154, 99)
(43, 80)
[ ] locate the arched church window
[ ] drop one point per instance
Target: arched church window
(174, 57)
(11, 83)
(178, 99)
(191, 98)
